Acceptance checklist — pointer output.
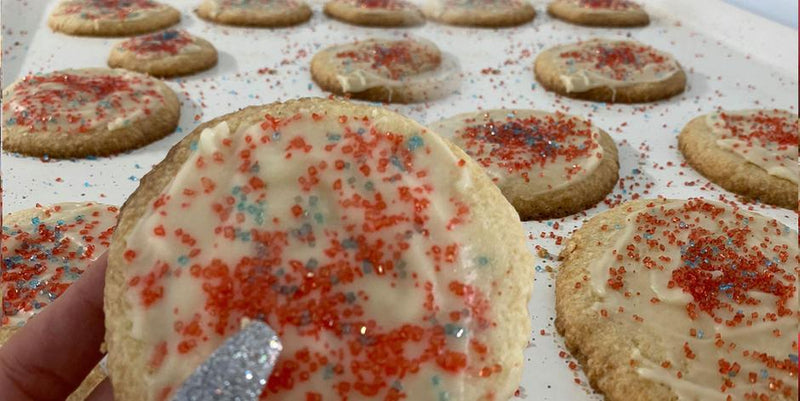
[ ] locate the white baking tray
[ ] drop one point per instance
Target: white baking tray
(733, 59)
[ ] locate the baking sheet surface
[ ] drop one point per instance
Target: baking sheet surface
(733, 60)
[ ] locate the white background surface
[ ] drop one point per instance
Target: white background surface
(734, 60)
(783, 11)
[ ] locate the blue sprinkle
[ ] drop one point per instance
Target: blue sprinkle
(366, 267)
(415, 142)
(350, 297)
(700, 334)
(183, 260)
(167, 35)
(35, 221)
(192, 146)
(133, 178)
(483, 260)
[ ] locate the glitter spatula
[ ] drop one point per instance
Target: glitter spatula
(236, 371)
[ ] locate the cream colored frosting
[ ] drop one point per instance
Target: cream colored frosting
(626, 7)
(97, 10)
(431, 79)
(699, 354)
(571, 146)
(580, 74)
(751, 135)
(437, 8)
(44, 250)
(269, 6)
(78, 101)
(159, 45)
(332, 193)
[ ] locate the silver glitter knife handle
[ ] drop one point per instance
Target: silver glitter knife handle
(238, 370)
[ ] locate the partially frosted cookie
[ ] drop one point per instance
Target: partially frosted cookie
(480, 13)
(386, 260)
(111, 17)
(167, 53)
(749, 152)
(86, 112)
(44, 250)
(610, 13)
(682, 300)
(261, 13)
(601, 70)
(385, 13)
(546, 164)
(383, 70)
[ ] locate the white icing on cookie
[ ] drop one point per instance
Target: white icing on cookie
(715, 289)
(44, 250)
(542, 151)
(604, 63)
(766, 138)
(79, 101)
(345, 237)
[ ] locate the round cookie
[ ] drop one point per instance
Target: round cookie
(168, 53)
(260, 13)
(606, 13)
(480, 13)
(750, 152)
(381, 13)
(383, 256)
(690, 300)
(44, 250)
(86, 112)
(383, 70)
(546, 164)
(111, 17)
(614, 71)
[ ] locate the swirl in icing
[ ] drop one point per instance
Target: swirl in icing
(604, 63)
(171, 42)
(716, 288)
(344, 236)
(415, 63)
(766, 138)
(545, 151)
(122, 10)
(79, 101)
(44, 250)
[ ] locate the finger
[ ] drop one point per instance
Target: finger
(103, 392)
(50, 356)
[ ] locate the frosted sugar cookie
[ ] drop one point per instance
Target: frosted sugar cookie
(168, 53)
(386, 260)
(682, 300)
(111, 17)
(383, 70)
(601, 70)
(262, 13)
(385, 13)
(44, 250)
(86, 112)
(480, 13)
(546, 164)
(609, 13)
(749, 152)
